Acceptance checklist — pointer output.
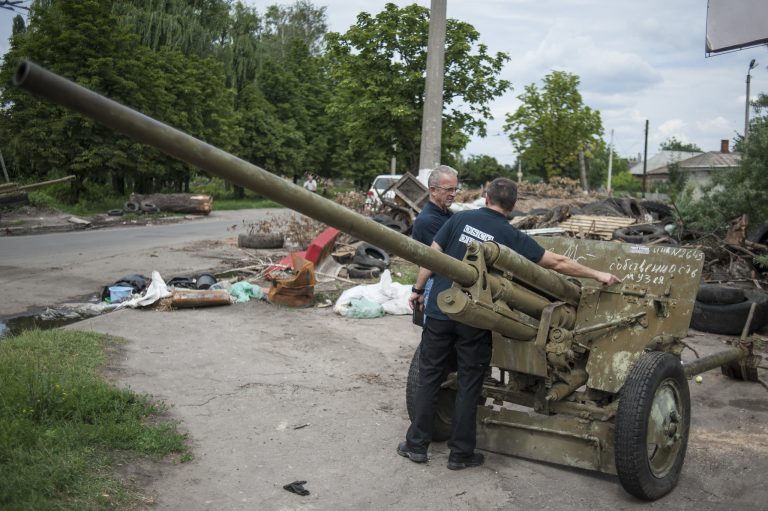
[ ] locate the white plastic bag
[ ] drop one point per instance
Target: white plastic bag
(154, 292)
(392, 296)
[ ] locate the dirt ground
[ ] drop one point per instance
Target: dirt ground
(271, 395)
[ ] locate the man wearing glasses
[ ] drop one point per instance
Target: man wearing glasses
(443, 182)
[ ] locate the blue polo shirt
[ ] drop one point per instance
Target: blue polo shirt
(430, 220)
(480, 225)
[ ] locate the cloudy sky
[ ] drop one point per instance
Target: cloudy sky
(637, 61)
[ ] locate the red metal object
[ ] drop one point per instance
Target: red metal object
(316, 252)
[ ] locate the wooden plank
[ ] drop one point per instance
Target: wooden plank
(601, 226)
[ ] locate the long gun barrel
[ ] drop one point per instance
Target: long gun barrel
(35, 79)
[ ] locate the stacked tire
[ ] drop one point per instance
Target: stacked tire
(724, 310)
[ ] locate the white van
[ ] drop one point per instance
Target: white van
(380, 184)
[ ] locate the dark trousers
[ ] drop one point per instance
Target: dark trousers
(473, 354)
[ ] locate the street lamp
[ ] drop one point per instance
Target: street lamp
(752, 65)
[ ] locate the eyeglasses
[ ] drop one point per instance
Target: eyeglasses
(449, 190)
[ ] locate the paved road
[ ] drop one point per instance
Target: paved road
(37, 271)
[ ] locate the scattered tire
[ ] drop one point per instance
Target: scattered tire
(369, 255)
(271, 240)
(639, 234)
(132, 207)
(652, 424)
(630, 207)
(359, 271)
(659, 210)
(724, 310)
(737, 371)
(760, 235)
(115, 212)
(443, 419)
(148, 207)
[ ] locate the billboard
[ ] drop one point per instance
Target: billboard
(736, 24)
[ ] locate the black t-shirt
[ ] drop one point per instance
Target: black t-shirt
(429, 221)
(481, 225)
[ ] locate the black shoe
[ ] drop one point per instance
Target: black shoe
(462, 462)
(407, 452)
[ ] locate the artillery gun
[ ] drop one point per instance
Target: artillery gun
(599, 367)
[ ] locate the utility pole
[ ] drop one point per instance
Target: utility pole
(610, 165)
(5, 172)
(752, 65)
(432, 117)
(645, 158)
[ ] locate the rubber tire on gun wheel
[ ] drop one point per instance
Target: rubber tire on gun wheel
(724, 310)
(260, 240)
(656, 389)
(446, 400)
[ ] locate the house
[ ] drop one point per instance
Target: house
(697, 166)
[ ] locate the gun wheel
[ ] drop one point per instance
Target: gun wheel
(652, 424)
(443, 420)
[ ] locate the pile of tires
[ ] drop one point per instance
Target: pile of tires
(724, 310)
(392, 223)
(643, 234)
(368, 262)
(134, 207)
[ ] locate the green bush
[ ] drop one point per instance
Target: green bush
(626, 182)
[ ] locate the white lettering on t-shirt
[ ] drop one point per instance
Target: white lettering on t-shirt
(474, 234)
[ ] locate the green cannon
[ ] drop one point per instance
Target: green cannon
(582, 375)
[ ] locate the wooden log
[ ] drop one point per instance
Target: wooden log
(183, 298)
(195, 204)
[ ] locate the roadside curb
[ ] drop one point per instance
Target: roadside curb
(93, 224)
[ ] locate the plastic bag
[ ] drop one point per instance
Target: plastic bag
(392, 296)
(243, 291)
(361, 308)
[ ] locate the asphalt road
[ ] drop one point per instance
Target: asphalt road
(37, 271)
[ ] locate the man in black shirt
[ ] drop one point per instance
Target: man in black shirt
(441, 335)
(443, 182)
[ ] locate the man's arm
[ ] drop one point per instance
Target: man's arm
(568, 266)
(416, 298)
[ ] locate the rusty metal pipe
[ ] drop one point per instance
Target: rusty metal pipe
(39, 81)
(718, 359)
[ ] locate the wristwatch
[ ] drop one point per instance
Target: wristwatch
(417, 291)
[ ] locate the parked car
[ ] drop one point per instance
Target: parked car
(378, 188)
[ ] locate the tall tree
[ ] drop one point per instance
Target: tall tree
(84, 41)
(377, 68)
(673, 144)
(553, 125)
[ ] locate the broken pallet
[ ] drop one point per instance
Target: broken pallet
(588, 226)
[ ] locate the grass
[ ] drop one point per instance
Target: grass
(404, 272)
(63, 428)
(246, 203)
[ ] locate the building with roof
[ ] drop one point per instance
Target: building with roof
(697, 166)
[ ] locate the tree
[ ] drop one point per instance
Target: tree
(377, 68)
(553, 125)
(478, 169)
(743, 190)
(85, 42)
(673, 144)
(598, 167)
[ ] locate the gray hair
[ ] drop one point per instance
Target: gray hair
(437, 172)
